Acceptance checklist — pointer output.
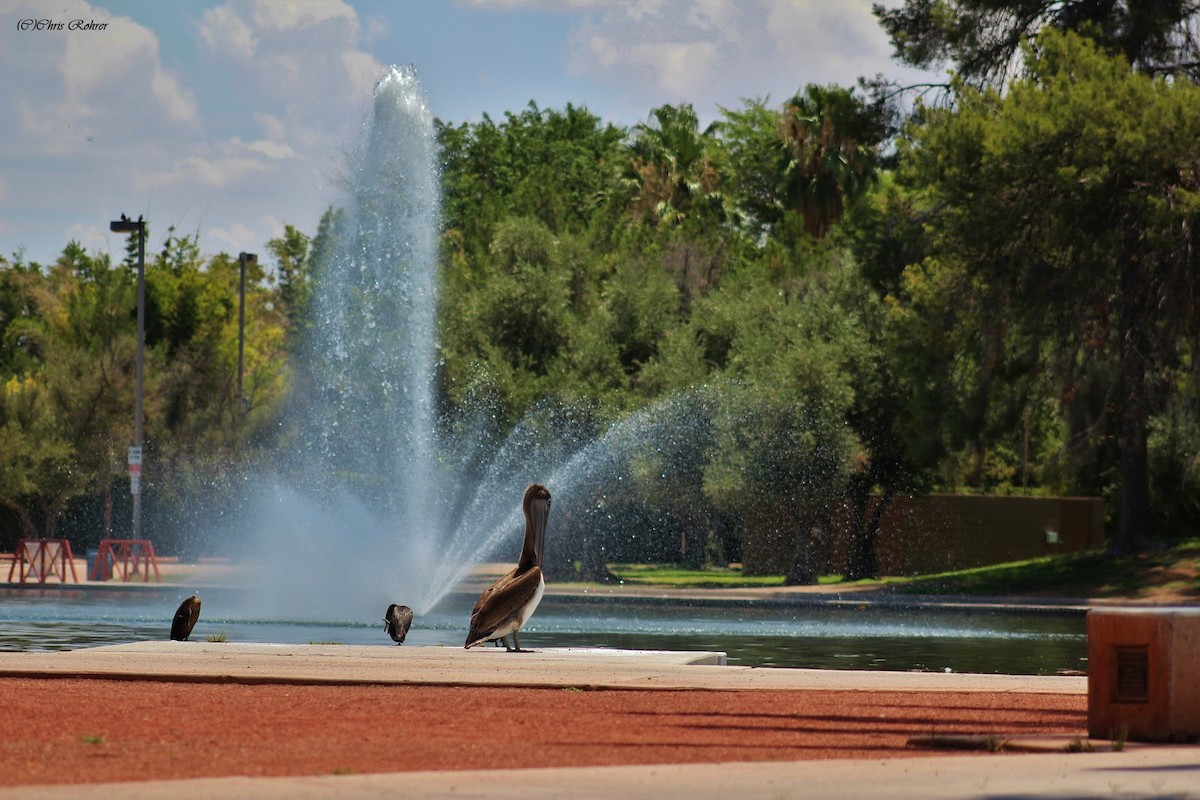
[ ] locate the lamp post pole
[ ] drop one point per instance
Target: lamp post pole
(243, 259)
(126, 225)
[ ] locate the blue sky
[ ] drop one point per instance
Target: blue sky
(229, 118)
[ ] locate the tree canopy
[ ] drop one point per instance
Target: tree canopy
(802, 308)
(1070, 209)
(984, 39)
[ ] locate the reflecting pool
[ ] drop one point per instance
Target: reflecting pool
(826, 636)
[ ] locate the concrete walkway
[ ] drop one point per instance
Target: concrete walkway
(1149, 773)
(1137, 772)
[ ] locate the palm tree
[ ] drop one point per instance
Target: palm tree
(829, 154)
(670, 169)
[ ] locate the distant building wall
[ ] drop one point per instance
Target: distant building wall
(944, 532)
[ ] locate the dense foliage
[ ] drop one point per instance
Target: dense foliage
(1006, 303)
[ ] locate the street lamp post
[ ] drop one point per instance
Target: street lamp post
(243, 259)
(138, 226)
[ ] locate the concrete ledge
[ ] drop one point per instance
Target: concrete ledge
(558, 667)
(1144, 674)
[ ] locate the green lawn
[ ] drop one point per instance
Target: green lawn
(681, 578)
(1084, 575)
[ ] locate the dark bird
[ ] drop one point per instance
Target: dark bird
(508, 603)
(185, 619)
(397, 621)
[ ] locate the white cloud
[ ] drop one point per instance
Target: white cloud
(96, 123)
(194, 171)
(91, 236)
(274, 150)
(117, 62)
(308, 70)
(717, 15)
(596, 51)
(234, 117)
(543, 5)
(67, 88)
(307, 56)
(361, 68)
(247, 235)
(81, 110)
(179, 103)
(841, 40)
(307, 67)
(277, 16)
(235, 237)
(223, 30)
(272, 126)
(681, 68)
(708, 51)
(220, 165)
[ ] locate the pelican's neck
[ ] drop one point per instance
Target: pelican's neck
(531, 550)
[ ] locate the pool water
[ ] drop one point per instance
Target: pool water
(751, 634)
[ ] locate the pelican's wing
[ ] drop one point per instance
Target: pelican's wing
(489, 591)
(500, 601)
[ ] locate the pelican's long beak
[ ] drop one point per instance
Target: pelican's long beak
(541, 513)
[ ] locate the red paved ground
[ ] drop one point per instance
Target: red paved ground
(67, 730)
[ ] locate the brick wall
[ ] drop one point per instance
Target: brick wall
(942, 532)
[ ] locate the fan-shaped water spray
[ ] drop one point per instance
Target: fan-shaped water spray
(380, 501)
(374, 504)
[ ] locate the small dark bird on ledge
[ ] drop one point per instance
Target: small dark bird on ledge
(397, 622)
(185, 619)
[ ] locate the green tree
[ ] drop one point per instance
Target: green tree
(904, 395)
(830, 145)
(799, 168)
(1070, 204)
(751, 153)
(291, 254)
(783, 450)
(557, 166)
(984, 38)
(671, 170)
(33, 453)
(64, 418)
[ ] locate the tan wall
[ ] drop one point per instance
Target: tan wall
(943, 532)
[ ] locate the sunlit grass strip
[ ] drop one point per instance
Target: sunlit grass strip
(677, 577)
(1080, 575)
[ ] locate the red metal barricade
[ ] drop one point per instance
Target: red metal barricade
(126, 558)
(40, 559)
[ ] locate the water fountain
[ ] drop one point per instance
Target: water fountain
(380, 501)
(367, 502)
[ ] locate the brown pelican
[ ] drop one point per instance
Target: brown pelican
(397, 621)
(185, 619)
(508, 603)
